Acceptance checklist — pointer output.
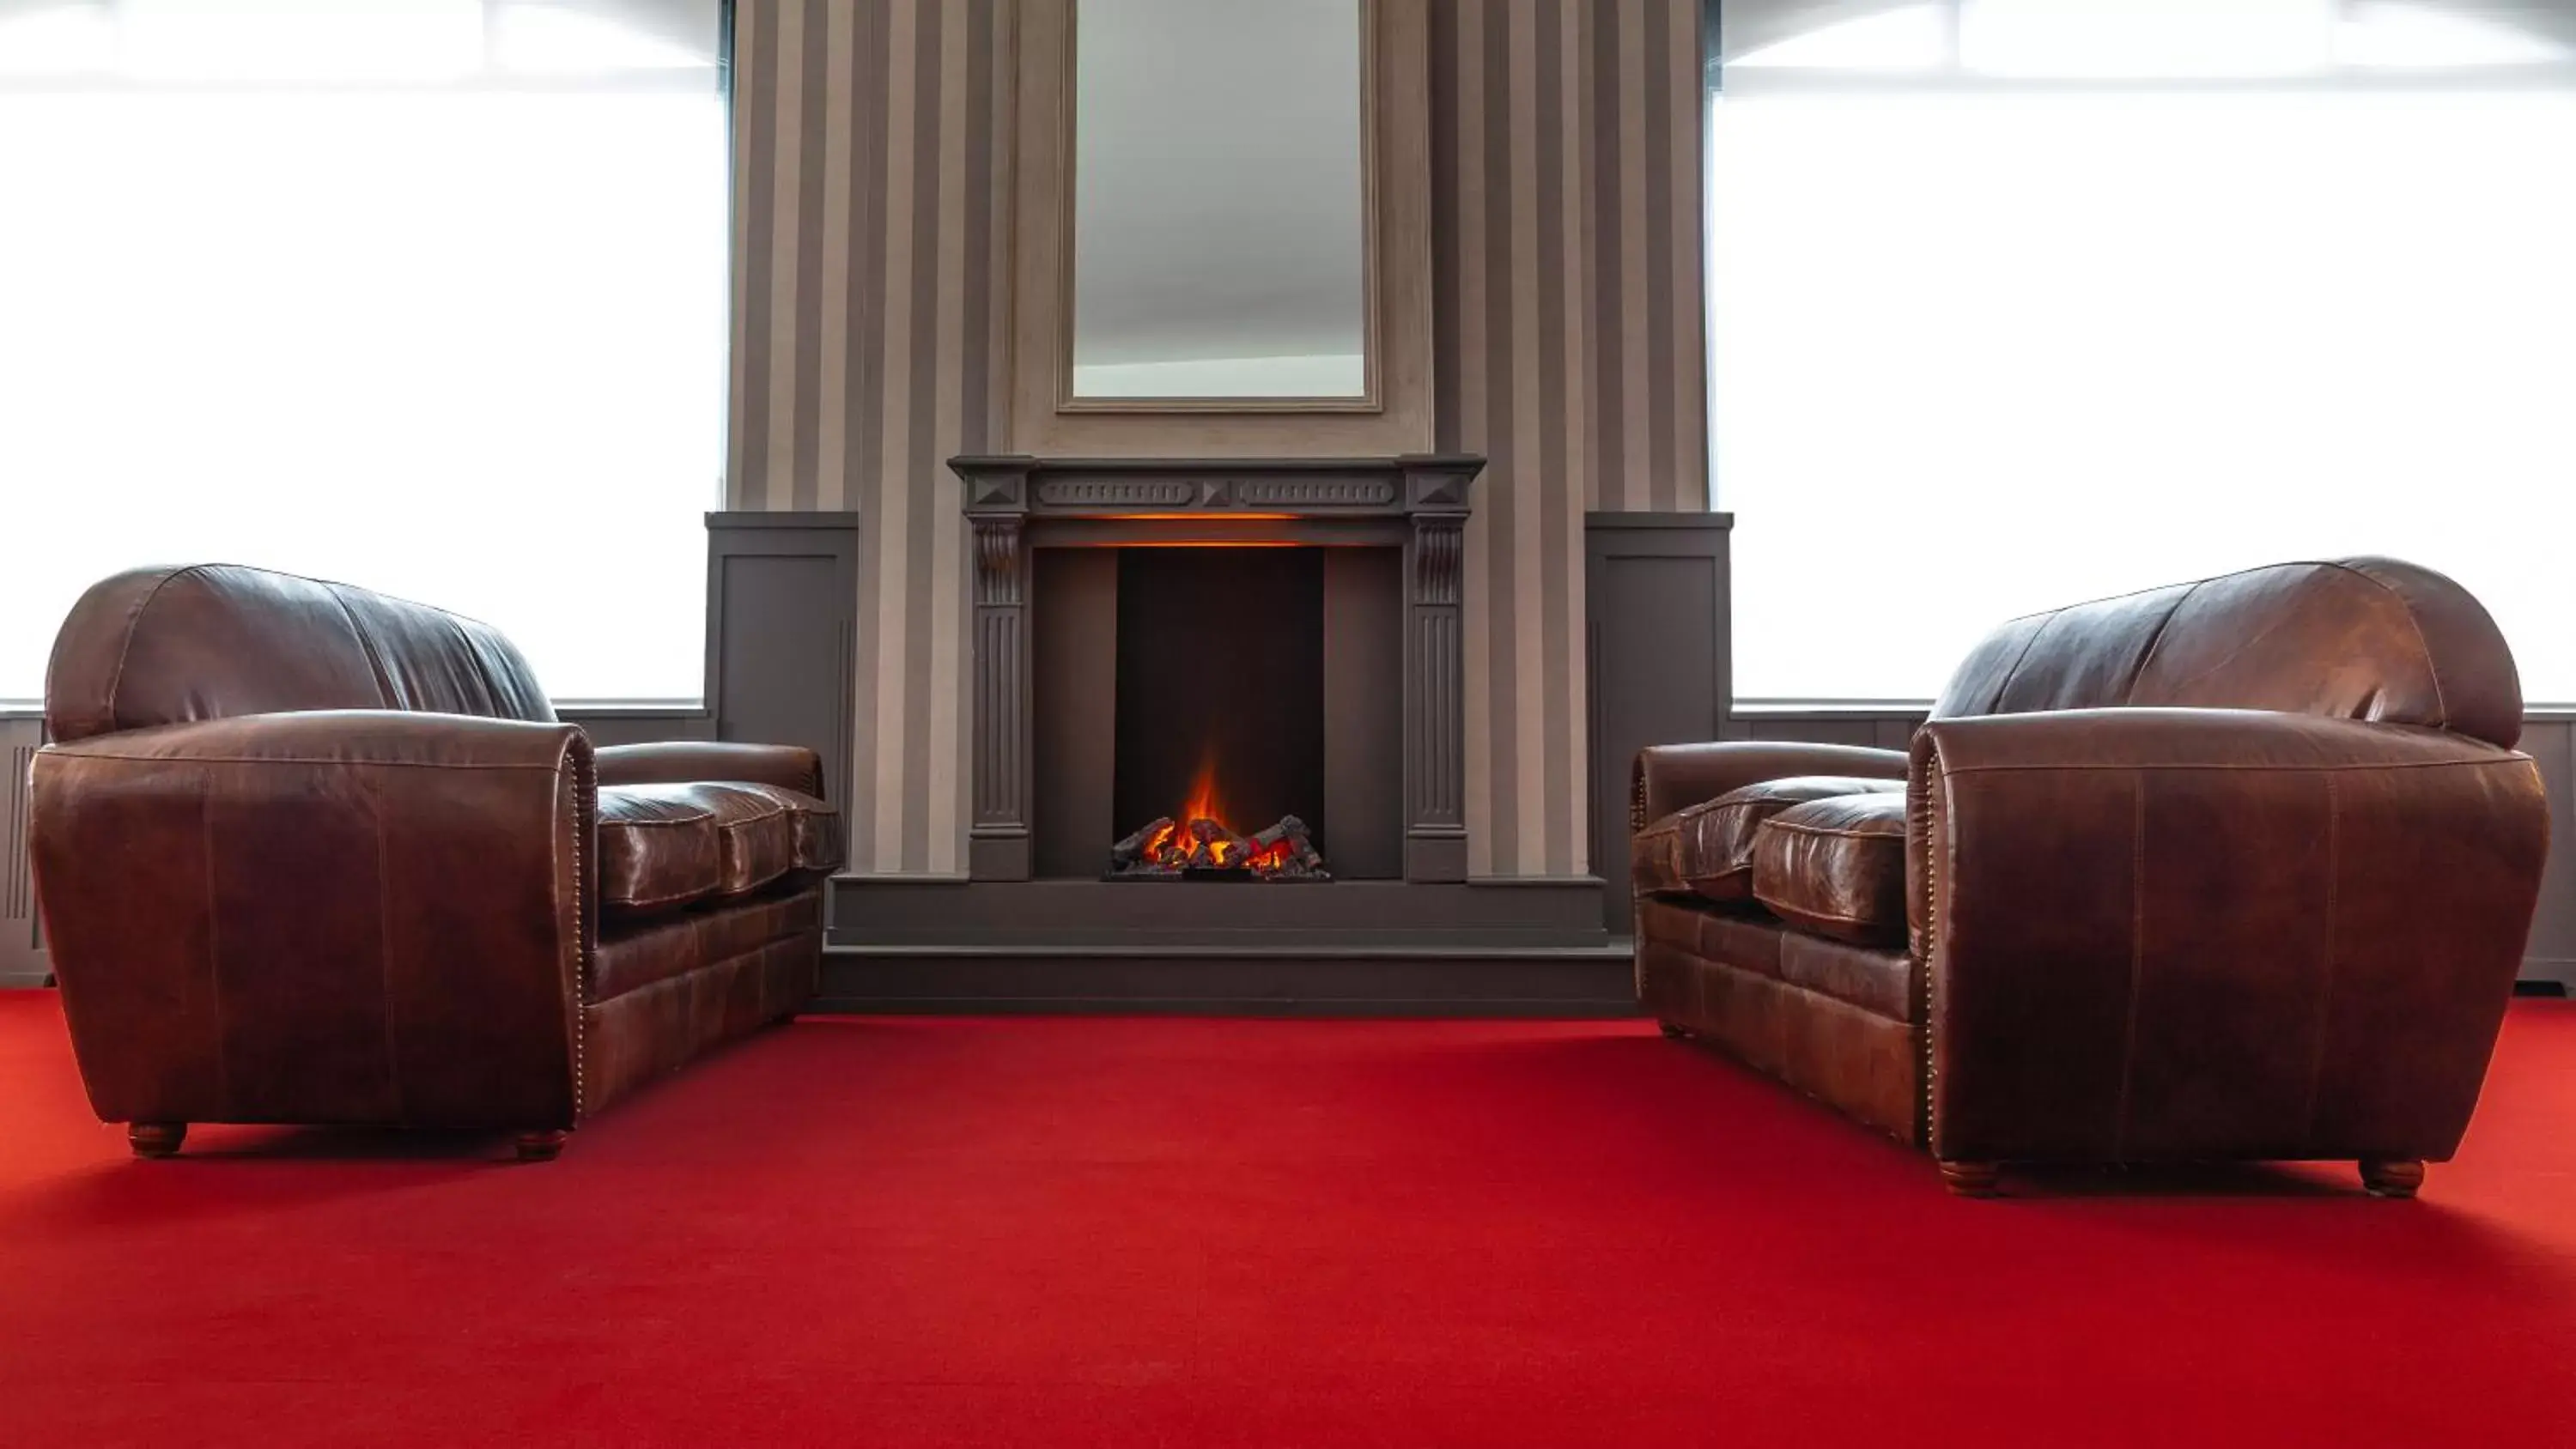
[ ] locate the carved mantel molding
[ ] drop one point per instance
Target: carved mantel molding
(1418, 502)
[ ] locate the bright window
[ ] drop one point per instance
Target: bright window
(425, 295)
(1988, 344)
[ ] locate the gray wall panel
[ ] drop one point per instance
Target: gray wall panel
(782, 596)
(1658, 638)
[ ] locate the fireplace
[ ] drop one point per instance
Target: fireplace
(1241, 672)
(1268, 645)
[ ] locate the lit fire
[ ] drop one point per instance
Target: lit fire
(1199, 837)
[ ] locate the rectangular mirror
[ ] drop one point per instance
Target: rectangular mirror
(1222, 209)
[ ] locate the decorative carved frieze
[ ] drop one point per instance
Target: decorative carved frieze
(1303, 487)
(1117, 493)
(1315, 492)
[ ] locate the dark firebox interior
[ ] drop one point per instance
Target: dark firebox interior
(1221, 665)
(1281, 667)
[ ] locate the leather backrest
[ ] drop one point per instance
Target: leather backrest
(2362, 638)
(213, 641)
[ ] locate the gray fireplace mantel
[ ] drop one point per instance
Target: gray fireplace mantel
(1418, 502)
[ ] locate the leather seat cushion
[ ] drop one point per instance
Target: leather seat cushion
(657, 848)
(818, 845)
(1836, 867)
(1706, 850)
(664, 847)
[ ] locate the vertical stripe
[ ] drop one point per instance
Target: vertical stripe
(813, 83)
(787, 174)
(1502, 444)
(1529, 459)
(1660, 224)
(1634, 488)
(974, 354)
(1442, 26)
(1543, 549)
(1601, 107)
(1569, 796)
(930, 262)
(861, 469)
(822, 483)
(1688, 378)
(1465, 59)
(946, 561)
(755, 134)
(893, 542)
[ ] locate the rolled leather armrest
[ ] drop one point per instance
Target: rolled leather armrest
(345, 916)
(2158, 934)
(687, 762)
(1666, 778)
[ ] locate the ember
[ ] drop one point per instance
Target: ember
(1197, 845)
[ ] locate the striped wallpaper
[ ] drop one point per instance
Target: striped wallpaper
(868, 349)
(871, 315)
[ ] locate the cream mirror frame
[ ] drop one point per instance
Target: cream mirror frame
(1392, 411)
(1219, 255)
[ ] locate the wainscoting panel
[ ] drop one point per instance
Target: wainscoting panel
(1659, 640)
(781, 603)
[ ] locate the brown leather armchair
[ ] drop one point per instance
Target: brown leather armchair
(2241, 869)
(309, 854)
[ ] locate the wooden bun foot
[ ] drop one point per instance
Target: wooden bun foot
(1669, 1029)
(540, 1146)
(156, 1139)
(1971, 1179)
(2392, 1176)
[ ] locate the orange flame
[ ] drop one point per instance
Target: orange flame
(1173, 844)
(1202, 804)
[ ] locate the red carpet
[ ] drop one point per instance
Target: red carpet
(1144, 1232)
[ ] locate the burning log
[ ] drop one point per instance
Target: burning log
(1212, 847)
(1285, 849)
(1137, 849)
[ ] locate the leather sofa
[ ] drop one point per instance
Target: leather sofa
(2240, 869)
(307, 854)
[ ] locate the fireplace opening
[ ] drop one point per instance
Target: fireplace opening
(1219, 768)
(1258, 688)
